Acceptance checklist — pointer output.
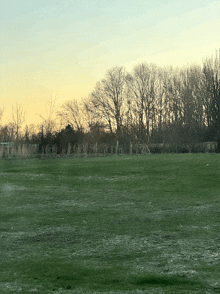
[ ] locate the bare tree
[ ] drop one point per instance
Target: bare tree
(18, 117)
(7, 133)
(49, 121)
(182, 103)
(73, 113)
(141, 88)
(108, 98)
(26, 134)
(171, 99)
(211, 70)
(32, 130)
(90, 113)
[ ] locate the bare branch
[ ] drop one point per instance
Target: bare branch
(49, 121)
(73, 112)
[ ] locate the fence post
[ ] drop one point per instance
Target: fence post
(19, 150)
(69, 148)
(130, 148)
(85, 148)
(112, 150)
(23, 149)
(63, 151)
(137, 148)
(95, 149)
(117, 148)
(54, 149)
(79, 149)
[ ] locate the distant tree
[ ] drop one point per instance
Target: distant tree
(179, 103)
(191, 98)
(26, 134)
(211, 70)
(46, 139)
(141, 93)
(65, 136)
(171, 102)
(107, 99)
(49, 121)
(72, 113)
(97, 133)
(18, 117)
(32, 131)
(90, 115)
(7, 133)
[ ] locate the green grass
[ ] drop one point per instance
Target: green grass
(126, 224)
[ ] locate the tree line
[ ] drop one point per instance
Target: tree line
(150, 104)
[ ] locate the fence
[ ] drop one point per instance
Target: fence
(203, 147)
(9, 149)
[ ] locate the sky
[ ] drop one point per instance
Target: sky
(61, 48)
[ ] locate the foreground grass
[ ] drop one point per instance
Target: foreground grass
(129, 224)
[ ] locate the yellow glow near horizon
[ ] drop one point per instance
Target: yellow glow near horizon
(34, 97)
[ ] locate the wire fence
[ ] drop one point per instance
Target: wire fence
(10, 149)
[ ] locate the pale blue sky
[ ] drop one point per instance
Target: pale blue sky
(64, 47)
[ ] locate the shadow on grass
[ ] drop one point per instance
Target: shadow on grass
(164, 280)
(105, 281)
(74, 276)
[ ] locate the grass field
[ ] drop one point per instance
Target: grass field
(126, 224)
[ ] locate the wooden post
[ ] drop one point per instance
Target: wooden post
(117, 146)
(137, 148)
(130, 148)
(112, 149)
(54, 149)
(69, 148)
(85, 148)
(95, 149)
(19, 150)
(79, 149)
(23, 150)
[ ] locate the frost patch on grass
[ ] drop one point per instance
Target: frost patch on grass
(116, 244)
(27, 175)
(202, 207)
(6, 174)
(111, 179)
(180, 272)
(76, 203)
(122, 203)
(145, 291)
(16, 287)
(13, 235)
(11, 287)
(88, 203)
(9, 188)
(31, 175)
